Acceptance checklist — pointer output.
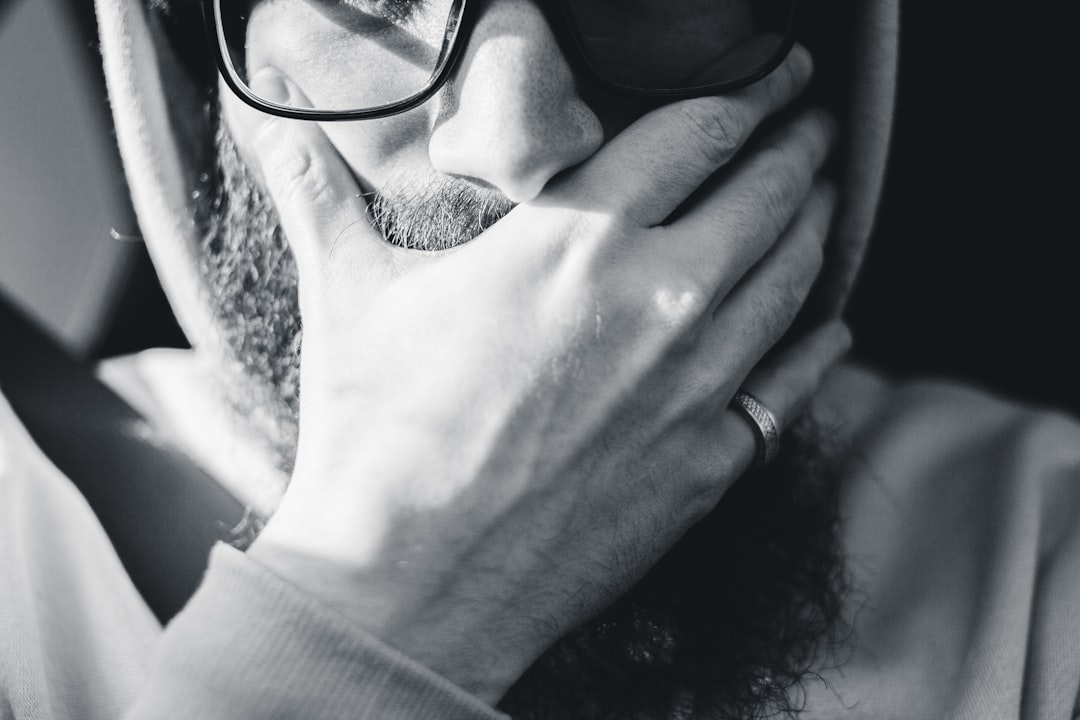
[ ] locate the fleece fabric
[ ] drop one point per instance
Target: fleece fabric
(961, 529)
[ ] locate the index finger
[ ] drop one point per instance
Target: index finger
(649, 169)
(319, 203)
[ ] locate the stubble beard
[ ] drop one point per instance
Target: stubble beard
(729, 623)
(250, 277)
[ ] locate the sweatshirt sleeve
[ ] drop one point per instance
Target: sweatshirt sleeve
(250, 644)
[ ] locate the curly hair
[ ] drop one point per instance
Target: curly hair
(730, 623)
(727, 625)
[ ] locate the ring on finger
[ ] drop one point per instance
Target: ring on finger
(764, 423)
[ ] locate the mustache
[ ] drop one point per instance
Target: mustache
(434, 213)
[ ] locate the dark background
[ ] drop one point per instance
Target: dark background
(973, 271)
(974, 266)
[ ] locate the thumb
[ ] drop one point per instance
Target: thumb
(319, 203)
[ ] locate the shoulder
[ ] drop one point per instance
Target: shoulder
(942, 453)
(961, 530)
(70, 618)
(927, 420)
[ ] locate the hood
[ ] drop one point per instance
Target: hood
(159, 110)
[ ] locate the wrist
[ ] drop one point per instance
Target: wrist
(461, 639)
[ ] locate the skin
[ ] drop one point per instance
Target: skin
(471, 511)
(513, 116)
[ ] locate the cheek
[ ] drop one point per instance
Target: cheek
(377, 149)
(312, 52)
(341, 62)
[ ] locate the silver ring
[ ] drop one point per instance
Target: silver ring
(765, 424)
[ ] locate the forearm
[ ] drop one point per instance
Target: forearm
(250, 644)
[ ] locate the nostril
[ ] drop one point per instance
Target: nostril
(477, 182)
(511, 116)
(519, 154)
(523, 188)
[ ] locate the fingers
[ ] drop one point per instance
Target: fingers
(743, 328)
(649, 169)
(753, 317)
(749, 321)
(722, 443)
(317, 198)
(785, 386)
(735, 224)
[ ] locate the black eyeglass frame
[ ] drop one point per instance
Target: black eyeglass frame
(216, 33)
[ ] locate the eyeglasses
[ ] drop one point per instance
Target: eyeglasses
(376, 58)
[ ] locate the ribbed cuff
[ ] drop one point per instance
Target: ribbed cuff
(250, 644)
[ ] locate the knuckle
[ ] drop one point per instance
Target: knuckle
(778, 190)
(801, 147)
(808, 256)
(805, 253)
(298, 177)
(612, 240)
(717, 125)
(678, 300)
(788, 300)
(776, 310)
(792, 75)
(779, 87)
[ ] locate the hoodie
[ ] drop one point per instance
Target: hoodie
(961, 513)
(158, 94)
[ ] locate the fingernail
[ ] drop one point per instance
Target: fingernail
(802, 61)
(268, 84)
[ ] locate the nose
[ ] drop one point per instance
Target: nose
(511, 116)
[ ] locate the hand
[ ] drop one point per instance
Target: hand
(497, 440)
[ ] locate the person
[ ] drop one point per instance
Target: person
(528, 299)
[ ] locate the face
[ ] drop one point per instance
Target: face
(513, 113)
(735, 614)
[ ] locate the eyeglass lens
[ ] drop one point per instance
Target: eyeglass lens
(679, 44)
(381, 52)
